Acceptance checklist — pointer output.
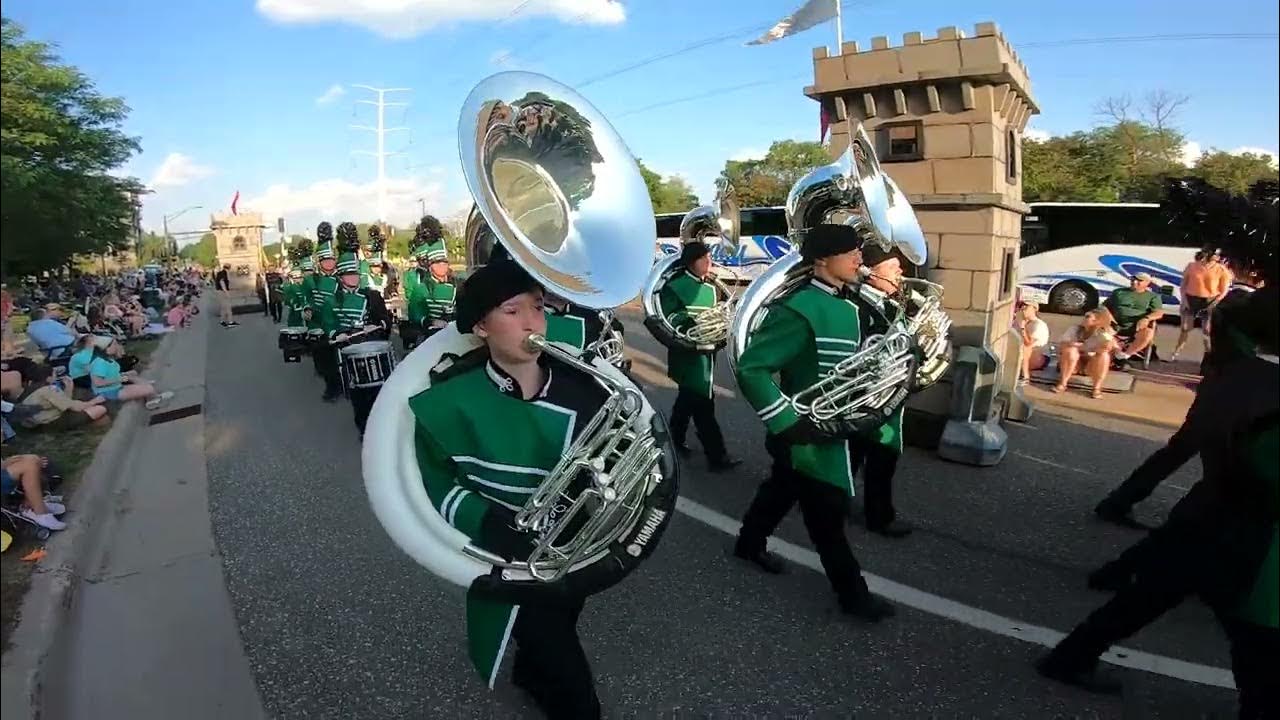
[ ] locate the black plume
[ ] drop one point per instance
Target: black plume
(376, 243)
(301, 250)
(348, 238)
(428, 230)
(324, 233)
(1242, 227)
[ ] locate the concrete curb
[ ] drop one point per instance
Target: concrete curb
(1048, 406)
(47, 603)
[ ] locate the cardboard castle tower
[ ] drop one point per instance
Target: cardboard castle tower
(946, 115)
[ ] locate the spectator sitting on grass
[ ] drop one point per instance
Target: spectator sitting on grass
(48, 333)
(51, 405)
(179, 313)
(1093, 342)
(25, 471)
(108, 381)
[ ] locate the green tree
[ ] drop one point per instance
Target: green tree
(1080, 167)
(203, 252)
(151, 248)
(669, 195)
(766, 181)
(1234, 173)
(59, 138)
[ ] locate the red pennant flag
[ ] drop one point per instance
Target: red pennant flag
(824, 122)
(235, 200)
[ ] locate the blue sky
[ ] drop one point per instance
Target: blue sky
(227, 95)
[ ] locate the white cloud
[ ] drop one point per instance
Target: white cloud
(402, 19)
(177, 170)
(337, 200)
(334, 92)
(1191, 151)
(1036, 134)
(748, 153)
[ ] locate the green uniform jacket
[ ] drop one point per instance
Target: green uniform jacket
(802, 336)
(683, 298)
(293, 300)
(469, 470)
(409, 279)
(878, 312)
(347, 312)
(428, 299)
(374, 282)
(319, 297)
(1261, 604)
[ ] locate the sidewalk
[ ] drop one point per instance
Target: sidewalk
(1150, 403)
(150, 631)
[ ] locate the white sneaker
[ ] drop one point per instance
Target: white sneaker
(55, 508)
(1121, 356)
(48, 498)
(45, 520)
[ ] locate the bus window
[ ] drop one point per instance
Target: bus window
(669, 226)
(764, 221)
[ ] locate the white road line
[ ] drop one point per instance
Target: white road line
(1050, 463)
(971, 616)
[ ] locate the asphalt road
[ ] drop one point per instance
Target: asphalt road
(338, 623)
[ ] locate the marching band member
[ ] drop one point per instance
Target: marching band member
(685, 296)
(804, 332)
(320, 292)
(373, 275)
(427, 231)
(881, 304)
(430, 299)
(567, 324)
(353, 310)
(477, 478)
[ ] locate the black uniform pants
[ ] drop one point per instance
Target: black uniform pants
(702, 411)
(326, 357)
(823, 507)
(878, 464)
(276, 308)
(550, 664)
(1153, 471)
(1255, 653)
(361, 403)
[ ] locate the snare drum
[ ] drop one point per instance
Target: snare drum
(315, 338)
(293, 343)
(367, 364)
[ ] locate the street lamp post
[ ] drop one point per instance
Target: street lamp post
(172, 248)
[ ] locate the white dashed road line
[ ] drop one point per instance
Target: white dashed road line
(972, 616)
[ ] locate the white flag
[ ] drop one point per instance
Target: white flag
(813, 12)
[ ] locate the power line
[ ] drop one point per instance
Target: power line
(1045, 43)
(695, 45)
(1149, 38)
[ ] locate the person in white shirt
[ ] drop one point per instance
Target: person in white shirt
(1035, 340)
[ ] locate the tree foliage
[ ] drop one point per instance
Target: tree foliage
(669, 195)
(766, 181)
(1129, 157)
(59, 138)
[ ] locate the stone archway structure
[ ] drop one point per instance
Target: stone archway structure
(239, 242)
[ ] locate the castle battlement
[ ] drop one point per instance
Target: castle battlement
(986, 58)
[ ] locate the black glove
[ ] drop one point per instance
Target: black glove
(498, 535)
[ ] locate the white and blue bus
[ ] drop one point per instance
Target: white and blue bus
(764, 239)
(1075, 254)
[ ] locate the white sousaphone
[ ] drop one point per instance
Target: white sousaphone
(564, 196)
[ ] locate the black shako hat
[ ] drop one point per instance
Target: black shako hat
(693, 251)
(487, 288)
(827, 239)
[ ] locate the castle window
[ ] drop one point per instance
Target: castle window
(238, 244)
(1011, 155)
(903, 142)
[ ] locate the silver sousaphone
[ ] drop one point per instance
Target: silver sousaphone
(866, 387)
(557, 187)
(717, 226)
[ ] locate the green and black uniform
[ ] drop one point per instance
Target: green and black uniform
(681, 300)
(319, 298)
(802, 336)
(1220, 541)
(877, 453)
(427, 301)
(478, 477)
(352, 311)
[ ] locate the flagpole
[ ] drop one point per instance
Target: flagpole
(839, 30)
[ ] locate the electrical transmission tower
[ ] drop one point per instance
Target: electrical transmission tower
(381, 132)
